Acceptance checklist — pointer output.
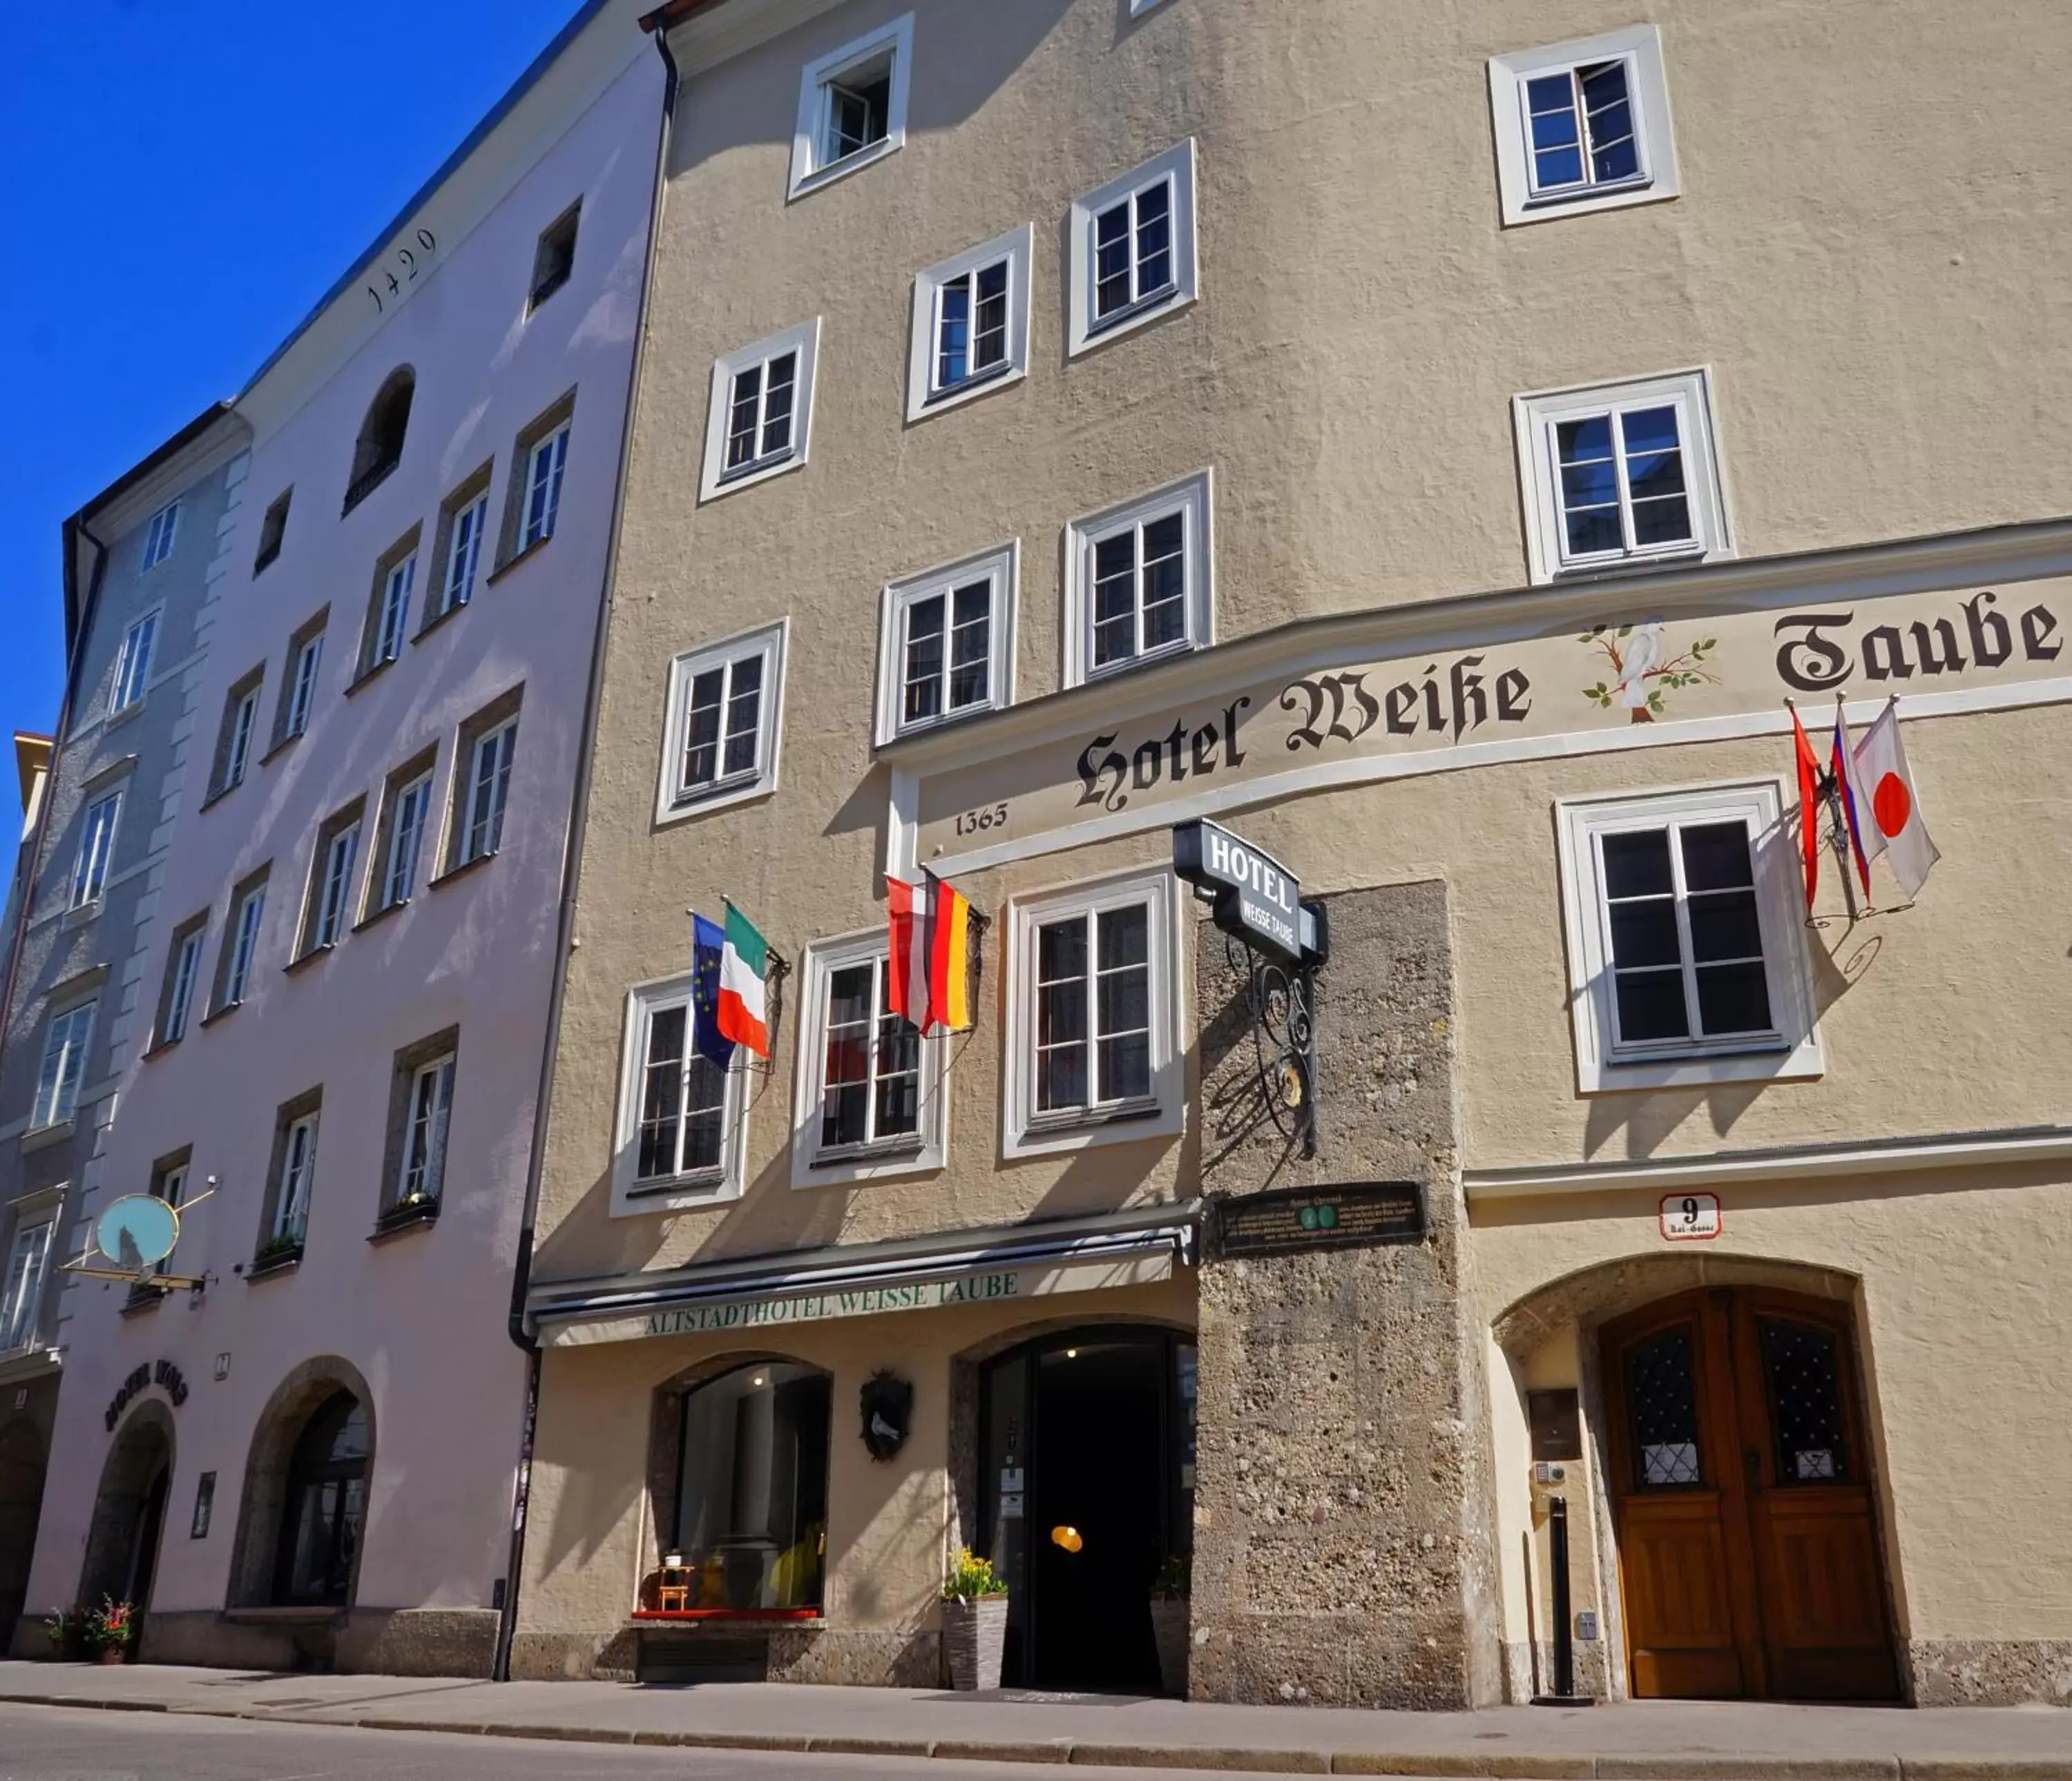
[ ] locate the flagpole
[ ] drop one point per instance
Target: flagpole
(1838, 833)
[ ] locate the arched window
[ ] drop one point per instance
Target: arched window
(752, 1488)
(326, 1506)
(379, 448)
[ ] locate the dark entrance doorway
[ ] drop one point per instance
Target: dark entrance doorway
(1748, 1548)
(1087, 1457)
(129, 1511)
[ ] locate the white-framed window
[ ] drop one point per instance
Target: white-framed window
(244, 942)
(303, 685)
(334, 910)
(488, 788)
(21, 1289)
(726, 723)
(1583, 125)
(411, 811)
(971, 323)
(542, 488)
(761, 419)
(681, 1118)
(1686, 948)
(394, 617)
(853, 106)
(464, 551)
(297, 1180)
(1140, 580)
(96, 850)
(1094, 1053)
(64, 1069)
(421, 1172)
(869, 1099)
(946, 645)
(169, 1182)
(242, 719)
(1620, 473)
(1132, 248)
(182, 972)
(133, 665)
(159, 534)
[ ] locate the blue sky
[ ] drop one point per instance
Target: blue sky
(185, 178)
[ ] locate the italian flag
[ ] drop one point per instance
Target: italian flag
(744, 968)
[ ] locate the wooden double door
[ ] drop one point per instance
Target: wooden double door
(1748, 1545)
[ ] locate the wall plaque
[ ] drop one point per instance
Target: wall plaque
(1357, 1215)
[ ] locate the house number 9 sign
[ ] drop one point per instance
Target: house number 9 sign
(1690, 1218)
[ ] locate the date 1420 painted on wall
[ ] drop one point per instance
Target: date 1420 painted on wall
(408, 259)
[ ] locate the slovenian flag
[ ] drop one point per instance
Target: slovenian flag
(744, 972)
(708, 944)
(1841, 765)
(929, 982)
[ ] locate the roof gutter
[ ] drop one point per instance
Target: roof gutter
(521, 1273)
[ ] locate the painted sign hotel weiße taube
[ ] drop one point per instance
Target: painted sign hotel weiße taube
(1273, 726)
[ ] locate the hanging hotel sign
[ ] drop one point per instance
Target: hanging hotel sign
(976, 1287)
(1287, 1221)
(1257, 898)
(1600, 687)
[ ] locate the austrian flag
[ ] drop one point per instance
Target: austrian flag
(928, 982)
(744, 972)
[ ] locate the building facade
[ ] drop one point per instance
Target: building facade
(144, 563)
(1404, 436)
(310, 1452)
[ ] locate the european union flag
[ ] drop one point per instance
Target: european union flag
(708, 938)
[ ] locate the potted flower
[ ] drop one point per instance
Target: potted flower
(974, 1622)
(111, 1629)
(64, 1628)
(1170, 1609)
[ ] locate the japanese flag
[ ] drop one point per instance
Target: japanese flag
(1895, 827)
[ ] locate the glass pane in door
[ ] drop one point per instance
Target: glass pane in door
(1802, 1378)
(1662, 1399)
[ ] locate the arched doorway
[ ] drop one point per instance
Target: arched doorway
(23, 1460)
(1739, 1478)
(1086, 1491)
(325, 1510)
(130, 1511)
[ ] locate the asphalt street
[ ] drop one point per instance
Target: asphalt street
(73, 1744)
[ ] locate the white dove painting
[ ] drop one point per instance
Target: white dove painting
(1642, 669)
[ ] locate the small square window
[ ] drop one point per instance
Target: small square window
(1139, 581)
(1094, 1015)
(1583, 125)
(1132, 248)
(682, 1118)
(133, 665)
(554, 259)
(761, 419)
(273, 530)
(63, 1072)
(159, 534)
(1685, 951)
(869, 1099)
(971, 323)
(1626, 473)
(946, 646)
(726, 720)
(853, 106)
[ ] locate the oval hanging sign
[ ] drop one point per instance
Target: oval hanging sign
(138, 1230)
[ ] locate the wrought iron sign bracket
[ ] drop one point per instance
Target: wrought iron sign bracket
(1282, 998)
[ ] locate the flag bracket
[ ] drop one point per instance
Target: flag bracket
(1282, 997)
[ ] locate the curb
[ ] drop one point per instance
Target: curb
(1439, 1765)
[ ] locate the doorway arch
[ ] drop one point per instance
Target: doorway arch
(1086, 1477)
(282, 1480)
(23, 1461)
(129, 1519)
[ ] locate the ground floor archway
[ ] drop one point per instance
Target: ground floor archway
(130, 1511)
(1086, 1489)
(1739, 1478)
(23, 1460)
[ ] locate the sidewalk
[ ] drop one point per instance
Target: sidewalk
(1652, 1741)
